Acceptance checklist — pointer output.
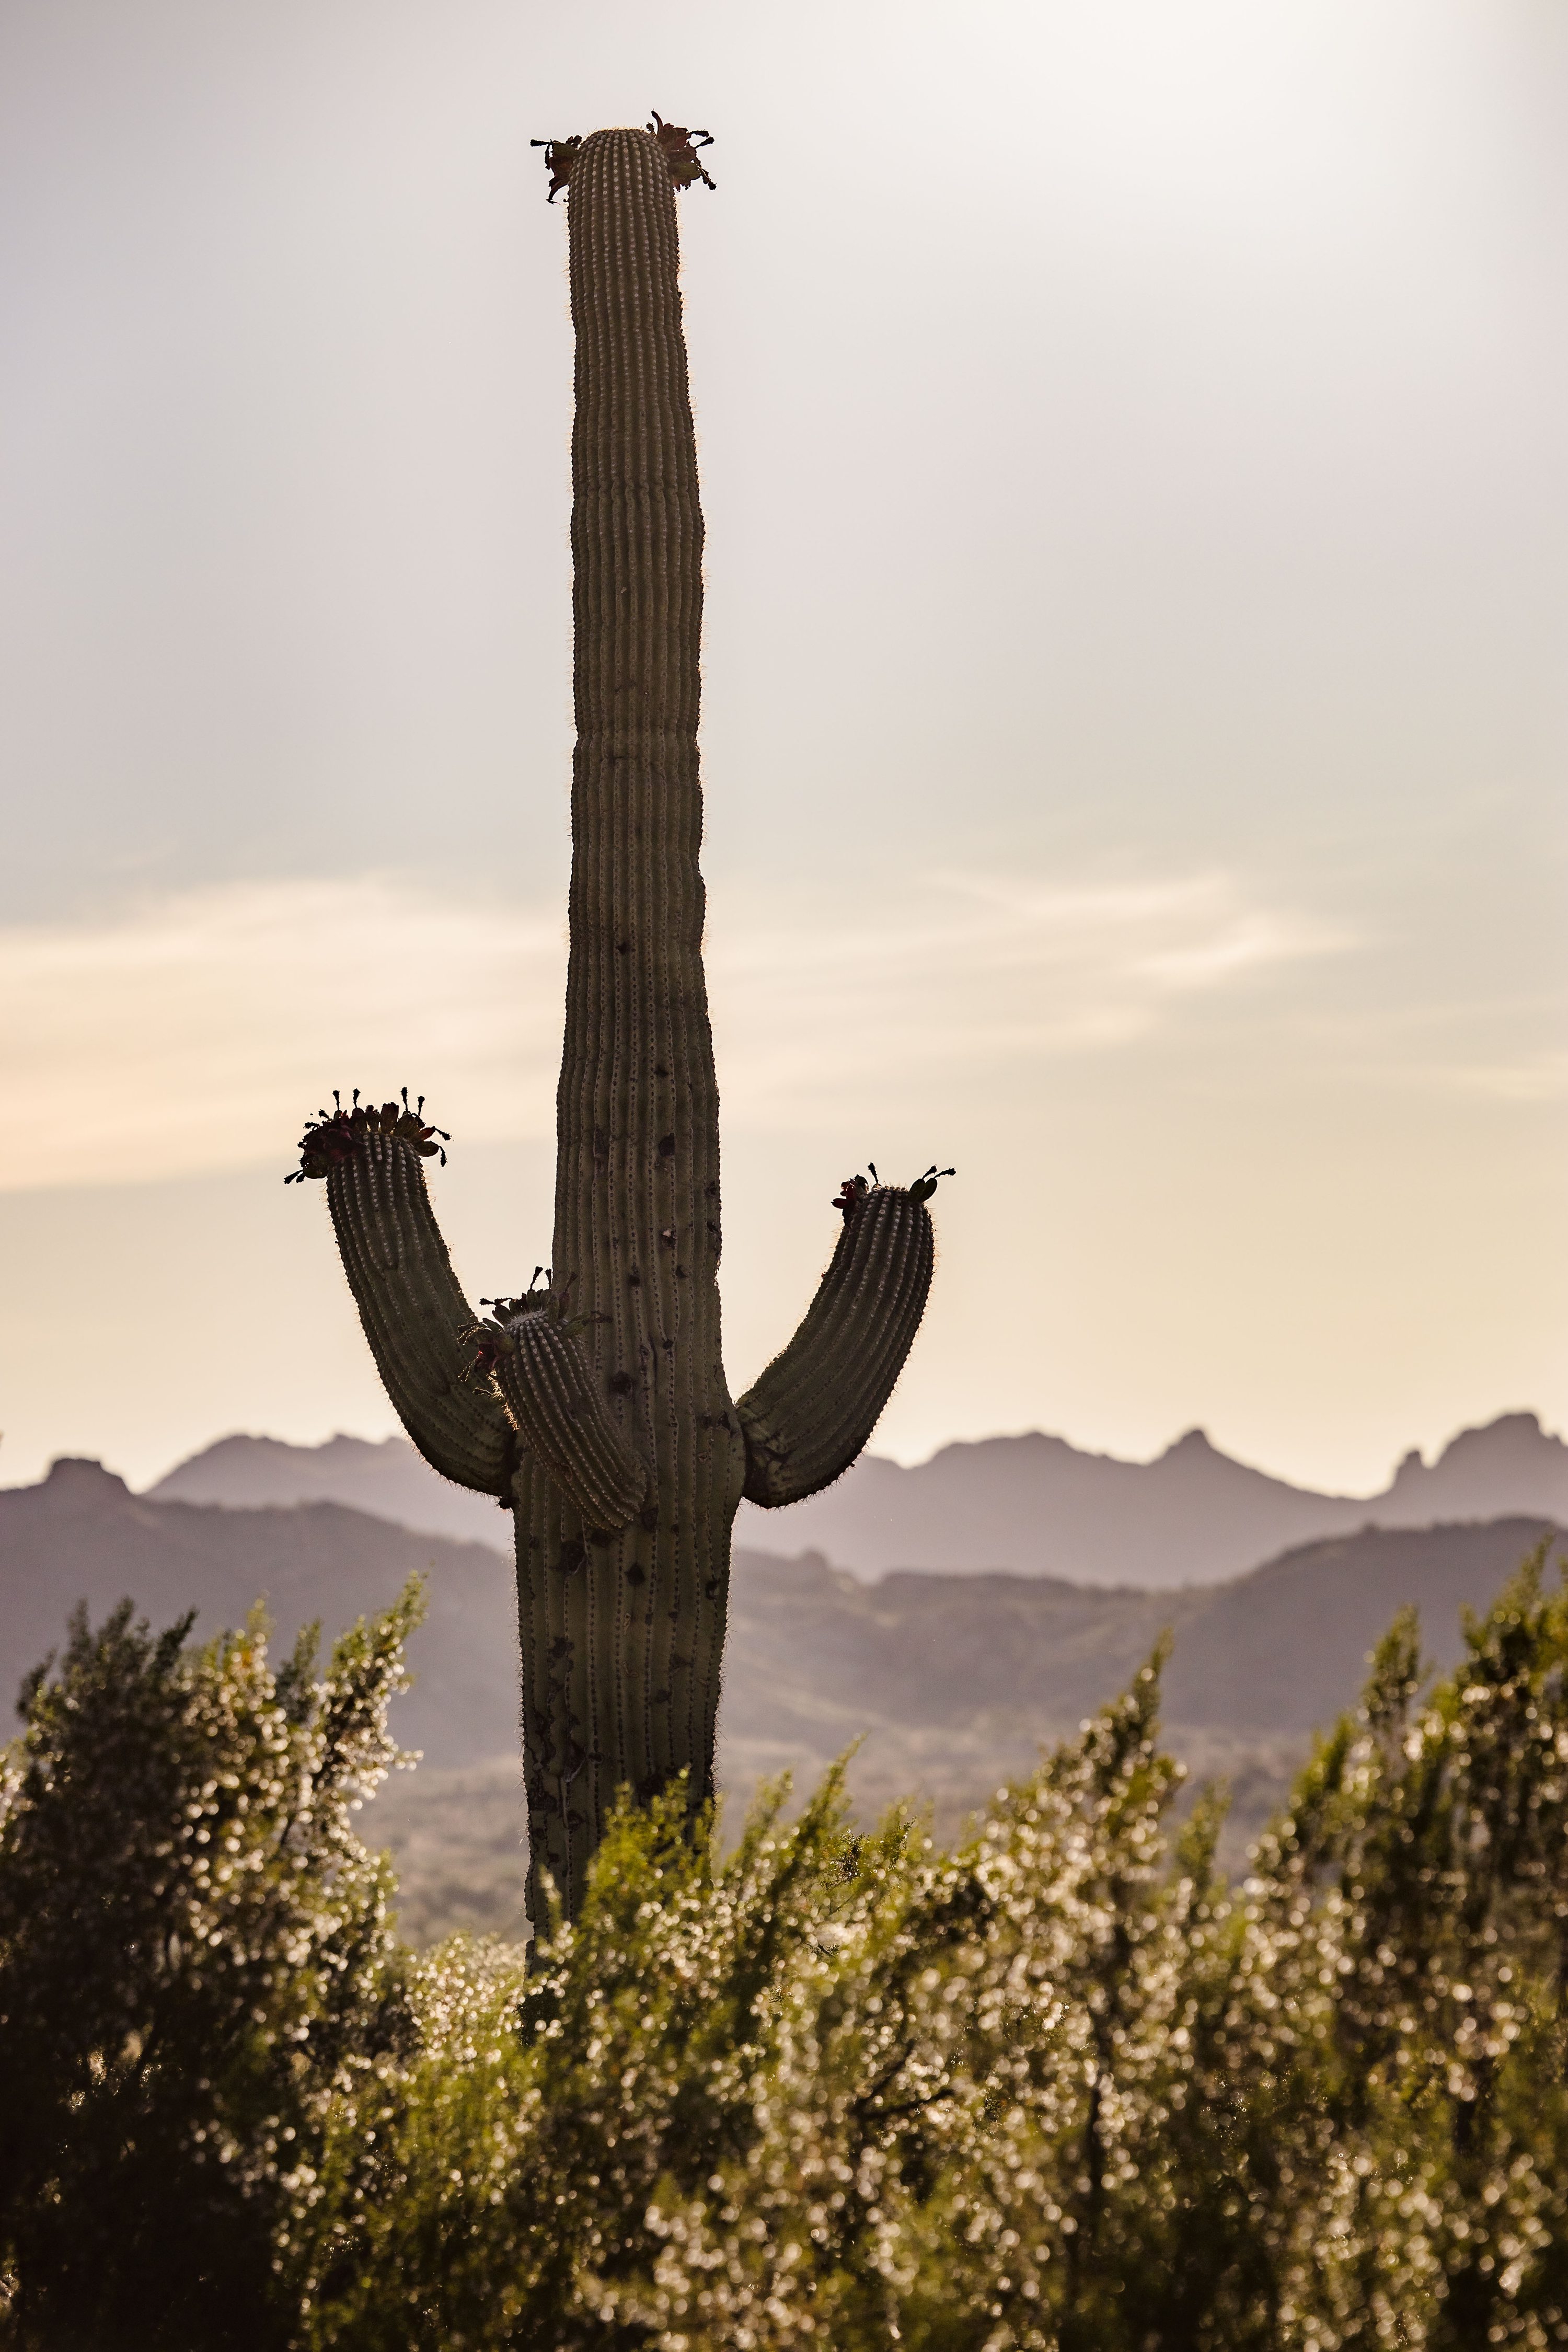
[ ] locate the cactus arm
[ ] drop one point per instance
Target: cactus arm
(810, 1413)
(414, 1312)
(543, 1379)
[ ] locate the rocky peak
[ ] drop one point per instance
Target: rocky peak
(76, 1475)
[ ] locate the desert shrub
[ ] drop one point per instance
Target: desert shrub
(1063, 2087)
(194, 1960)
(1420, 1882)
(835, 2090)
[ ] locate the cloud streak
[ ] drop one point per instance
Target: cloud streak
(966, 973)
(195, 1034)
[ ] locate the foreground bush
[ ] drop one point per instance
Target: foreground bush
(194, 1964)
(1063, 2087)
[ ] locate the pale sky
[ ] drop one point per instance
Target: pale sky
(1136, 488)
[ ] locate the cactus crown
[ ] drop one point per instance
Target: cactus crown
(677, 145)
(333, 1136)
(854, 1189)
(495, 1336)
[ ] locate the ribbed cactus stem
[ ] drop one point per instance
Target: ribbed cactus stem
(622, 1640)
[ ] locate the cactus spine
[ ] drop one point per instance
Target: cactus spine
(597, 1407)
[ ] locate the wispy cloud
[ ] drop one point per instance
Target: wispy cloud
(976, 970)
(198, 1032)
(195, 1033)
(1528, 1078)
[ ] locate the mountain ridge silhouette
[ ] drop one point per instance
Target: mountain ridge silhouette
(1032, 1505)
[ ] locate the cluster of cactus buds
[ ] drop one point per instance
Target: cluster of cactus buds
(333, 1137)
(491, 1338)
(854, 1188)
(678, 147)
(924, 1186)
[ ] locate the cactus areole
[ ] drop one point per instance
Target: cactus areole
(595, 1407)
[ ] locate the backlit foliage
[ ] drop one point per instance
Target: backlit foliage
(1063, 2087)
(195, 1962)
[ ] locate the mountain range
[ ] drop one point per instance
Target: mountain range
(81, 1536)
(1034, 1506)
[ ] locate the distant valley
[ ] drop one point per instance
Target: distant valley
(951, 1680)
(1034, 1506)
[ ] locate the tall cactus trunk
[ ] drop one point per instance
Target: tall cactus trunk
(623, 1634)
(596, 1409)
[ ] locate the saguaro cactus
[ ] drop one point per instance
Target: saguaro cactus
(595, 1406)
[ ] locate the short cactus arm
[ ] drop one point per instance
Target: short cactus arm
(548, 1387)
(810, 1413)
(410, 1302)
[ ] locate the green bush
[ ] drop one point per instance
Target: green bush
(195, 1962)
(1063, 2087)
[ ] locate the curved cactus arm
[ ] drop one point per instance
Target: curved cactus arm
(542, 1378)
(810, 1413)
(410, 1301)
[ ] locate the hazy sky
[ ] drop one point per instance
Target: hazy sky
(1135, 476)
